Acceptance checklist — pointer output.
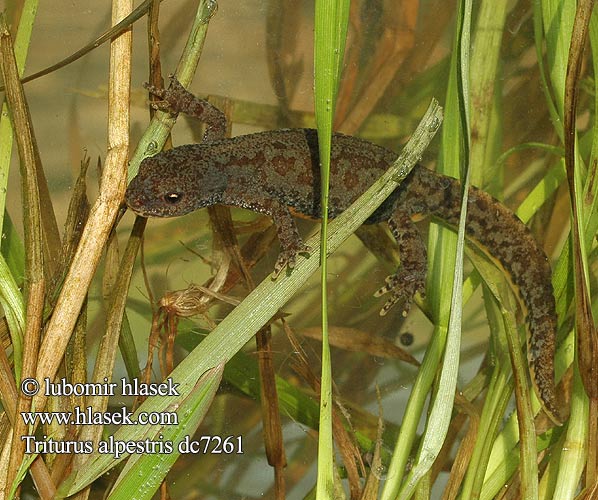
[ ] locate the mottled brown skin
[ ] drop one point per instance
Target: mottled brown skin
(270, 172)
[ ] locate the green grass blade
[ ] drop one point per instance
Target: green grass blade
(591, 204)
(495, 482)
(499, 393)
(143, 473)
(539, 20)
(331, 19)
(484, 78)
(572, 461)
(13, 249)
(442, 407)
(21, 474)
(557, 18)
(528, 457)
(14, 310)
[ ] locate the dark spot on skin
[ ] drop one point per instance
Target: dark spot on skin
(351, 180)
(279, 166)
(406, 339)
(482, 204)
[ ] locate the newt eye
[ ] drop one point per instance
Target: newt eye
(172, 198)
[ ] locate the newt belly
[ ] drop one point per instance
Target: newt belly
(277, 172)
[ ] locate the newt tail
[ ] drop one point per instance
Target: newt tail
(504, 237)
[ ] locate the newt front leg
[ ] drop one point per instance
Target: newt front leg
(291, 242)
(177, 99)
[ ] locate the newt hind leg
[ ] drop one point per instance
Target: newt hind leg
(410, 278)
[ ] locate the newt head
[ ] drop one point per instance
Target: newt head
(173, 183)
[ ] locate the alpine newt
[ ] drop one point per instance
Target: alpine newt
(277, 173)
